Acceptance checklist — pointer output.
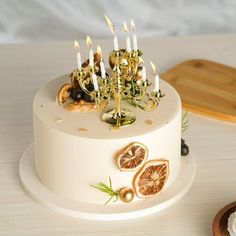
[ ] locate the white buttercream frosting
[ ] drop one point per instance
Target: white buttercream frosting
(80, 151)
(232, 224)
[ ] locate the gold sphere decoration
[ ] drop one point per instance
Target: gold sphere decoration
(138, 75)
(112, 61)
(112, 58)
(126, 194)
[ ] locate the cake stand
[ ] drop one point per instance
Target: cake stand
(166, 198)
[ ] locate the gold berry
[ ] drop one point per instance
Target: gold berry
(126, 194)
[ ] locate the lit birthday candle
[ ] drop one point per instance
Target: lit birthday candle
(112, 29)
(95, 82)
(135, 43)
(89, 45)
(102, 66)
(128, 47)
(78, 55)
(156, 78)
(144, 74)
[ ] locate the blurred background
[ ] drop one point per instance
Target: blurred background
(60, 20)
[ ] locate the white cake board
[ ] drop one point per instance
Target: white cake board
(110, 212)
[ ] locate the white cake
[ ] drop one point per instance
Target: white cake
(74, 150)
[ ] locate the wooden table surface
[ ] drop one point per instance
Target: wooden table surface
(24, 68)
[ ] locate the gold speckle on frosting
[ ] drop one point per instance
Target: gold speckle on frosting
(148, 122)
(114, 129)
(58, 120)
(83, 130)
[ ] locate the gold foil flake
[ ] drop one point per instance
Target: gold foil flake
(58, 120)
(83, 130)
(148, 122)
(132, 157)
(114, 129)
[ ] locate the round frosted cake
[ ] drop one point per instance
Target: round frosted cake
(74, 151)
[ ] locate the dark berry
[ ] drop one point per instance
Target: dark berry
(90, 87)
(184, 150)
(77, 94)
(88, 98)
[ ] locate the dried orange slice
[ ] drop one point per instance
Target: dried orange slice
(74, 82)
(81, 105)
(132, 157)
(64, 93)
(150, 180)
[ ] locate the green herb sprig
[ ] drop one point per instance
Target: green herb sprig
(108, 190)
(184, 122)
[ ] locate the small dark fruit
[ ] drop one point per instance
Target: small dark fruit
(90, 87)
(77, 94)
(184, 150)
(88, 98)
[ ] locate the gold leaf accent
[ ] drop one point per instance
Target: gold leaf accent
(148, 122)
(58, 120)
(83, 130)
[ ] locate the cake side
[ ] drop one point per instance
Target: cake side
(69, 157)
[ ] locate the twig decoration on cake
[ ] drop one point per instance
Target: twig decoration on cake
(184, 122)
(108, 190)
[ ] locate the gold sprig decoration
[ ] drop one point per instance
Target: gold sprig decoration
(108, 190)
(184, 122)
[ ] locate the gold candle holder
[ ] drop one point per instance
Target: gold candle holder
(122, 84)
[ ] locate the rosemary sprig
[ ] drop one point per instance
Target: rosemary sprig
(108, 190)
(184, 122)
(133, 87)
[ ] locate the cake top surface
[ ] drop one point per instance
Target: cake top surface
(90, 125)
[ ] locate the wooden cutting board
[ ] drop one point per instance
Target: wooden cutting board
(205, 87)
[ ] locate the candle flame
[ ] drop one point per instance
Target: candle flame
(76, 44)
(132, 25)
(99, 51)
(110, 24)
(154, 68)
(89, 42)
(125, 27)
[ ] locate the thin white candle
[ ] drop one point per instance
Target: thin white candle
(144, 74)
(102, 66)
(128, 47)
(135, 43)
(95, 82)
(99, 52)
(112, 29)
(91, 57)
(103, 71)
(156, 77)
(115, 43)
(89, 44)
(157, 85)
(78, 55)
